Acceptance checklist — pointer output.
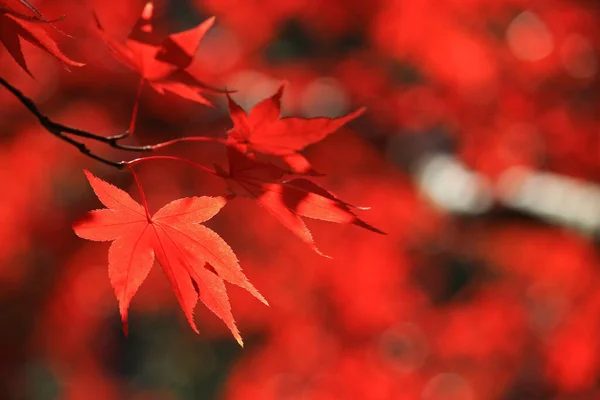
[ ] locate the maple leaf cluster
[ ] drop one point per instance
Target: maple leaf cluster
(262, 151)
(161, 62)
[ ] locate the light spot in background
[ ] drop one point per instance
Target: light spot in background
(449, 184)
(447, 386)
(528, 37)
(324, 97)
(579, 57)
(252, 87)
(557, 199)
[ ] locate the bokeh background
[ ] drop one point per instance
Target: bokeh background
(479, 155)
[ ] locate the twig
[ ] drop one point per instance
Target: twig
(61, 131)
(136, 107)
(58, 129)
(131, 163)
(112, 141)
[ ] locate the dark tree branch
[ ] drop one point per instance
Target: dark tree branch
(58, 130)
(62, 131)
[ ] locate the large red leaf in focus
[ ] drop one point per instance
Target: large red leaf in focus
(289, 200)
(162, 62)
(263, 131)
(182, 246)
(19, 21)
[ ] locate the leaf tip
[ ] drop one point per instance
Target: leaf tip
(91, 178)
(319, 252)
(369, 227)
(263, 300)
(279, 93)
(88, 175)
(193, 325)
(357, 113)
(238, 339)
(210, 21)
(254, 292)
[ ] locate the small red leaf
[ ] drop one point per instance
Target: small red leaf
(263, 131)
(179, 48)
(162, 62)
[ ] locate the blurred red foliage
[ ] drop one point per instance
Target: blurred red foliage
(494, 304)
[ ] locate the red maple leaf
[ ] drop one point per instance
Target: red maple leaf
(181, 245)
(289, 200)
(162, 62)
(19, 21)
(263, 131)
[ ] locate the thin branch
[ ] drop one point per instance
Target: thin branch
(136, 107)
(141, 190)
(85, 150)
(60, 131)
(129, 164)
(187, 139)
(54, 128)
(112, 141)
